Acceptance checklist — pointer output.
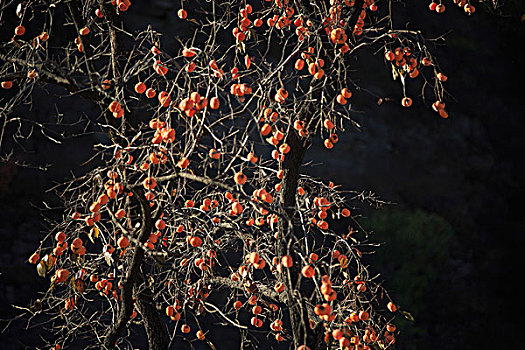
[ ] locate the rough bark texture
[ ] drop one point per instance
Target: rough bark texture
(153, 324)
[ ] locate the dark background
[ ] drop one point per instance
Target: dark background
(453, 232)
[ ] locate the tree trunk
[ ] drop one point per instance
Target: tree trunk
(153, 324)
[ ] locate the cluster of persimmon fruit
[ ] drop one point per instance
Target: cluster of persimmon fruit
(464, 4)
(315, 65)
(335, 23)
(406, 63)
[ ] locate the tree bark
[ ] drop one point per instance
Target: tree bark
(153, 324)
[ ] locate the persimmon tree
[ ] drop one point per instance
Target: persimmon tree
(200, 209)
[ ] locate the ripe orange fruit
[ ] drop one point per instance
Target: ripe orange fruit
(102, 199)
(391, 306)
(323, 225)
(214, 103)
(266, 129)
(256, 310)
(188, 53)
(94, 207)
(441, 77)
(164, 99)
(337, 334)
(354, 317)
(328, 124)
(160, 68)
(322, 309)
(252, 158)
(414, 73)
(114, 106)
(160, 224)
(299, 64)
(7, 85)
(389, 55)
(123, 242)
(239, 178)
(237, 305)
(468, 8)
(170, 310)
(183, 163)
(106, 84)
(279, 135)
(253, 257)
(190, 67)
(60, 236)
(364, 316)
(89, 221)
(214, 154)
(236, 208)
(140, 87)
(279, 287)
(426, 61)
(438, 105)
(149, 183)
(182, 14)
(308, 271)
(119, 214)
(84, 31)
(185, 328)
(33, 259)
(123, 5)
(150, 93)
(406, 102)
(344, 342)
(334, 139)
(287, 261)
(77, 243)
(341, 99)
(346, 93)
(240, 36)
(195, 241)
(62, 275)
(20, 30)
(282, 93)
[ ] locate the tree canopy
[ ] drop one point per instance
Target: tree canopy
(196, 207)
